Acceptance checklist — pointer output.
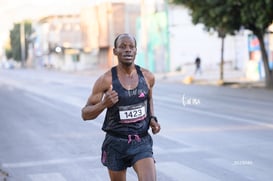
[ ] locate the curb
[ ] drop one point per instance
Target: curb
(234, 82)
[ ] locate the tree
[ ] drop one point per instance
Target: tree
(229, 16)
(15, 42)
(8, 51)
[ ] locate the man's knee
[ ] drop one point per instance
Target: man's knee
(145, 169)
(117, 175)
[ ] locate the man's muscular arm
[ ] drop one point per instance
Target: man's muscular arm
(150, 79)
(102, 97)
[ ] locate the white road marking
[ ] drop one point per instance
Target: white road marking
(47, 177)
(219, 115)
(54, 106)
(48, 162)
(101, 174)
(179, 172)
(162, 151)
(48, 103)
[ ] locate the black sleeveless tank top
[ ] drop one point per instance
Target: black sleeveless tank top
(130, 114)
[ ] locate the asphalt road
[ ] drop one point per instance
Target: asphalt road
(209, 133)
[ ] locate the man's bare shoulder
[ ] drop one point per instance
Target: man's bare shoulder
(107, 76)
(104, 81)
(149, 76)
(147, 73)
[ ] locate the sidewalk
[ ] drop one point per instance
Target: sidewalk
(232, 77)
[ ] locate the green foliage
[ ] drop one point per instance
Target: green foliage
(229, 16)
(15, 40)
(8, 53)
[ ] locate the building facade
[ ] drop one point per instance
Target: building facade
(82, 41)
(166, 39)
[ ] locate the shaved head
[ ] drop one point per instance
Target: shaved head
(121, 35)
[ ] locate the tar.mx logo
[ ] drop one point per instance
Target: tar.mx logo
(188, 100)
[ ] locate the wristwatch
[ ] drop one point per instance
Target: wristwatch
(153, 117)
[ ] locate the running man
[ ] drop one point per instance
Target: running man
(126, 92)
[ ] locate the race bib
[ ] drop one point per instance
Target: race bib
(132, 113)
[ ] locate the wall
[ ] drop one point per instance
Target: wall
(188, 40)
